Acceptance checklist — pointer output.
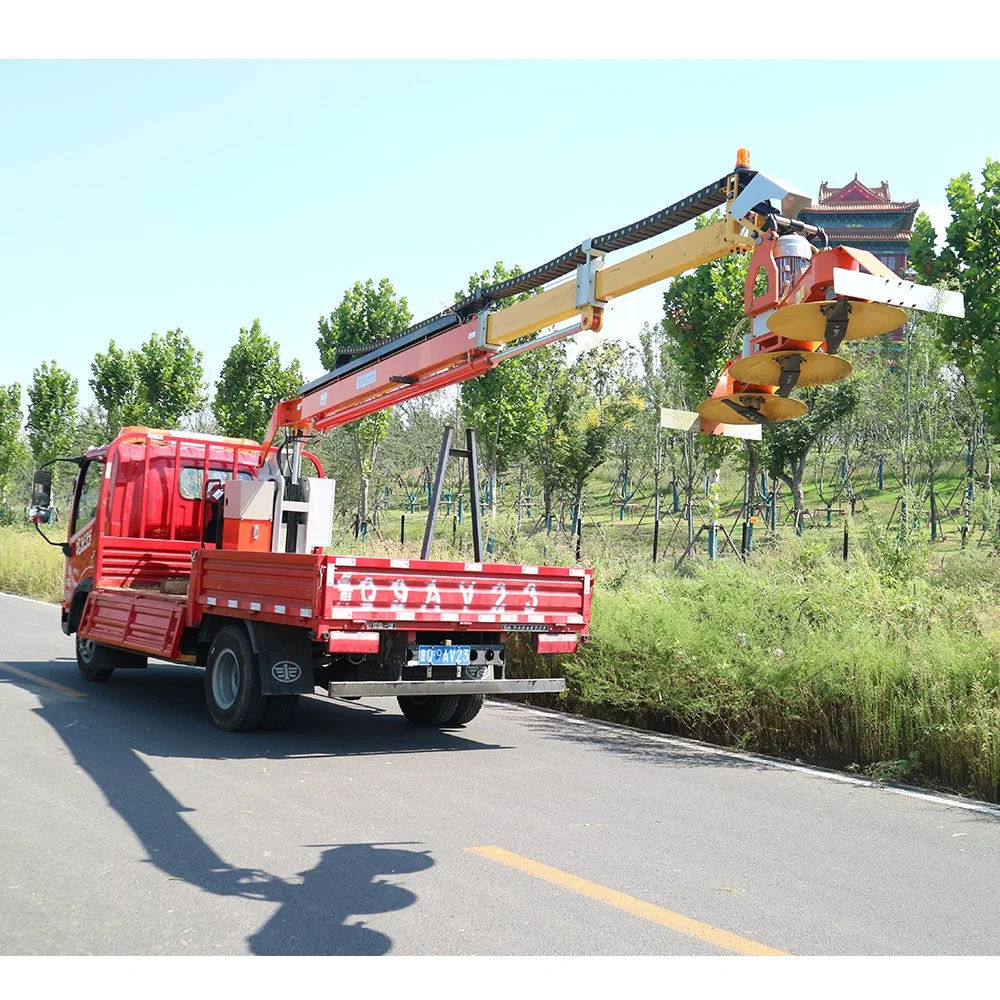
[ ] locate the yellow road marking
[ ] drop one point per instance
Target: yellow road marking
(637, 907)
(41, 680)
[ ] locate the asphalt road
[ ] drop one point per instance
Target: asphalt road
(131, 826)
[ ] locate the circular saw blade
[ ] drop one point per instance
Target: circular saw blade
(806, 321)
(774, 409)
(765, 368)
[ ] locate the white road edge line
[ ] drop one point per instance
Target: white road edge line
(48, 604)
(779, 765)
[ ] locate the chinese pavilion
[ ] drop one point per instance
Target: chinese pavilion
(867, 218)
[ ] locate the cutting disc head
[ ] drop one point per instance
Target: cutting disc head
(765, 368)
(774, 409)
(806, 321)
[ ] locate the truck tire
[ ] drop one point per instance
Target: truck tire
(469, 706)
(280, 711)
(232, 681)
(92, 660)
(98, 662)
(429, 710)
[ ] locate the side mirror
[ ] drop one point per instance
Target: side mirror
(41, 497)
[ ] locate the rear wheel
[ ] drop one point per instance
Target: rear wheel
(232, 682)
(469, 706)
(430, 710)
(97, 662)
(280, 711)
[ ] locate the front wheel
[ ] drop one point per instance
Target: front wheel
(232, 683)
(97, 663)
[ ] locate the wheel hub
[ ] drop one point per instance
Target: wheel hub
(225, 679)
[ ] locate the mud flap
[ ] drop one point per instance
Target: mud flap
(285, 656)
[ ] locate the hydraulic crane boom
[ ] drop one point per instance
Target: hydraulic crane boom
(476, 334)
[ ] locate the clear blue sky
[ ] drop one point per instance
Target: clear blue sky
(146, 196)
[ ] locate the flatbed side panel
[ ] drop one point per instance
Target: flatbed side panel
(465, 595)
(150, 623)
(273, 586)
(130, 562)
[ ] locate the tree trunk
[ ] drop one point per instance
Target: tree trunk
(363, 503)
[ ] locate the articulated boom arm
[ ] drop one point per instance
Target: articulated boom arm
(811, 303)
(473, 337)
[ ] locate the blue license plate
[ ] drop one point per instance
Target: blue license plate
(443, 656)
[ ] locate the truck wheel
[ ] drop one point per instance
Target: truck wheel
(232, 682)
(469, 706)
(98, 662)
(92, 659)
(280, 711)
(430, 710)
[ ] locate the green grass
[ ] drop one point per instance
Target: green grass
(798, 656)
(28, 566)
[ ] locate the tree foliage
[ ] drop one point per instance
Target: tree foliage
(52, 412)
(114, 382)
(160, 384)
(703, 318)
(970, 261)
(170, 379)
(505, 406)
(366, 315)
(251, 383)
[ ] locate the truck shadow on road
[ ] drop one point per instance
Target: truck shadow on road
(160, 713)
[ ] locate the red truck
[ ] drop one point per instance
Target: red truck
(163, 561)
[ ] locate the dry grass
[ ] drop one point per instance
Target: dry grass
(28, 566)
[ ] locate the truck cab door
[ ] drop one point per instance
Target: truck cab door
(83, 527)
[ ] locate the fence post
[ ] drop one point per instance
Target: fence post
(845, 541)
(656, 537)
(402, 529)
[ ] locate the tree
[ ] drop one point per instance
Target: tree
(970, 261)
(170, 379)
(52, 402)
(252, 382)
(701, 331)
(594, 400)
(13, 451)
(115, 387)
(365, 316)
(787, 444)
(504, 406)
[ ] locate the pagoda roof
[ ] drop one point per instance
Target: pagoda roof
(864, 206)
(855, 235)
(856, 195)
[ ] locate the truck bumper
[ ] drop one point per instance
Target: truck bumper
(393, 689)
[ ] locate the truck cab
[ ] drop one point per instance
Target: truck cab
(142, 504)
